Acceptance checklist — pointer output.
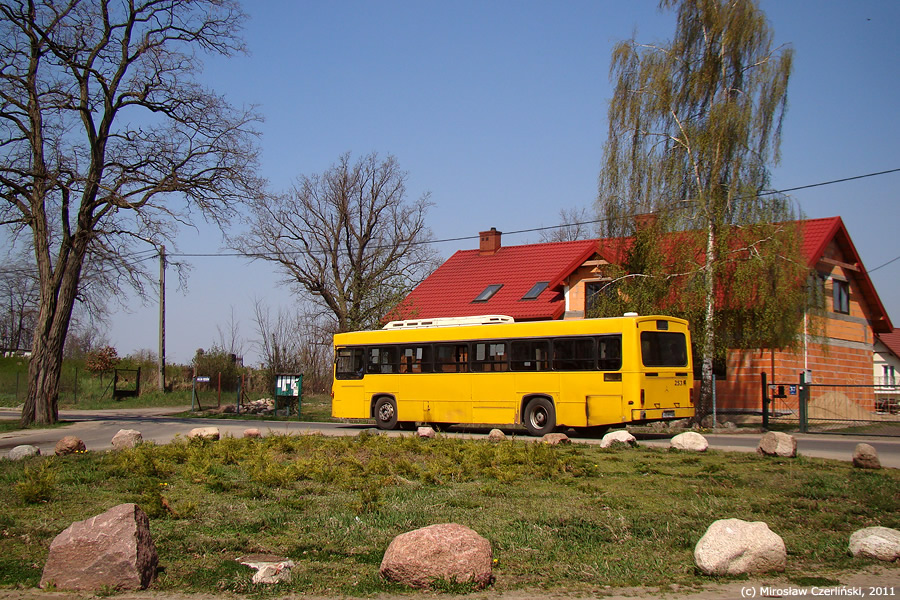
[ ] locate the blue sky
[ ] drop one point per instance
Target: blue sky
(499, 109)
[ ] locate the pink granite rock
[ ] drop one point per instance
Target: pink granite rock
(113, 550)
(447, 551)
(69, 445)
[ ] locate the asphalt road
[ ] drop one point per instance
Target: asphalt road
(97, 428)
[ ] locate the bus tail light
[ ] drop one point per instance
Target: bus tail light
(642, 398)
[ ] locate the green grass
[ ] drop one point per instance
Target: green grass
(559, 518)
(80, 389)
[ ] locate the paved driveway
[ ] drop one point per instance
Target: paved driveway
(97, 428)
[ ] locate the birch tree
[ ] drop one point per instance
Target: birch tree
(694, 127)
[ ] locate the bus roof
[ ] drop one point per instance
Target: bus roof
(499, 330)
(449, 322)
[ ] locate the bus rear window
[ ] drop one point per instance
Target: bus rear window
(663, 349)
(348, 363)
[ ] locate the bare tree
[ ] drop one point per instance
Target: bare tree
(348, 239)
(107, 142)
(295, 342)
(19, 298)
(575, 224)
(230, 339)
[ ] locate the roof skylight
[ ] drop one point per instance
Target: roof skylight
(536, 290)
(488, 292)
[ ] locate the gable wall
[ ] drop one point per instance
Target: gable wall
(576, 297)
(838, 350)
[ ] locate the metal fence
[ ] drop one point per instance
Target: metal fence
(825, 408)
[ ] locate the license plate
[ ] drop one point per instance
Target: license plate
(668, 414)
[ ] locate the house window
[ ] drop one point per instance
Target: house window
(889, 375)
(592, 291)
(841, 296)
(488, 292)
(536, 290)
(816, 289)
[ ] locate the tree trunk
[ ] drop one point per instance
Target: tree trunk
(56, 303)
(708, 351)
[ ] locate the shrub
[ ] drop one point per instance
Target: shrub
(101, 360)
(38, 483)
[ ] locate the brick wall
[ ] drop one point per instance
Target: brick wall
(839, 350)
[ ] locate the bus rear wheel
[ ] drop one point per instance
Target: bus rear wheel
(539, 416)
(386, 413)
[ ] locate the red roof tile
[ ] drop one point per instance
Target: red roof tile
(891, 340)
(817, 234)
(450, 290)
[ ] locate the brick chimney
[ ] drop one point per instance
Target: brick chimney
(490, 241)
(644, 220)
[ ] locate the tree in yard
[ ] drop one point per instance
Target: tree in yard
(348, 239)
(107, 141)
(295, 342)
(574, 225)
(693, 127)
(102, 360)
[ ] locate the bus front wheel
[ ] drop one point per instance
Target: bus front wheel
(386, 413)
(540, 416)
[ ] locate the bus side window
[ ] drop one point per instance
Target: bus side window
(349, 363)
(573, 354)
(451, 358)
(415, 359)
(609, 352)
(382, 360)
(530, 355)
(489, 357)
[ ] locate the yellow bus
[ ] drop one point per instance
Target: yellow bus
(585, 373)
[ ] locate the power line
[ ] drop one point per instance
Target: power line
(475, 237)
(537, 229)
(884, 265)
(833, 181)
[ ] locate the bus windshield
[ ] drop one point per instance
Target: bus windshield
(663, 349)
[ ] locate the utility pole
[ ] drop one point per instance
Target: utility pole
(161, 371)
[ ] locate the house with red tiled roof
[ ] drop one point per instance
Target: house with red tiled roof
(887, 372)
(556, 281)
(528, 283)
(841, 350)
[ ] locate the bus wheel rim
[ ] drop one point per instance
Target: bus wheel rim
(386, 412)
